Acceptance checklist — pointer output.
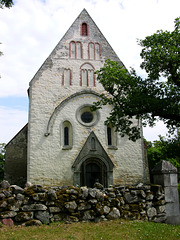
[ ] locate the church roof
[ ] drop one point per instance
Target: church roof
(61, 49)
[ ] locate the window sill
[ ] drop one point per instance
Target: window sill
(66, 147)
(112, 147)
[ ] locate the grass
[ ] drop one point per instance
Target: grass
(109, 230)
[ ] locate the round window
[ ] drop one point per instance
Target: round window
(86, 117)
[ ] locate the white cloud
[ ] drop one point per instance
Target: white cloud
(31, 29)
(11, 122)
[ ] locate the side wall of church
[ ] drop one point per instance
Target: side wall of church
(16, 159)
(62, 75)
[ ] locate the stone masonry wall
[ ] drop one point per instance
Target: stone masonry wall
(35, 205)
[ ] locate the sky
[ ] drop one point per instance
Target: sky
(31, 29)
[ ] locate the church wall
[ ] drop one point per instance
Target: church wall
(48, 163)
(16, 159)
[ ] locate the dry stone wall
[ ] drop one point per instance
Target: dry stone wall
(35, 204)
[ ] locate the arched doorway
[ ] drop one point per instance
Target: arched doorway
(93, 170)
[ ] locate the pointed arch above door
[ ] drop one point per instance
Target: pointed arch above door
(93, 155)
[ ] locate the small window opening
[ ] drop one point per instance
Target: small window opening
(93, 144)
(66, 136)
(87, 117)
(84, 29)
(109, 136)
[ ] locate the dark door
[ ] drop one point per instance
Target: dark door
(93, 170)
(92, 174)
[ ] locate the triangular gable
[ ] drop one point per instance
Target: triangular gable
(61, 52)
(92, 149)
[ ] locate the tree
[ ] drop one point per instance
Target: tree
(150, 99)
(164, 149)
(6, 3)
(2, 160)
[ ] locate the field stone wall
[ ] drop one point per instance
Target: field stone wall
(35, 204)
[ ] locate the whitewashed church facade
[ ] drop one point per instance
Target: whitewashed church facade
(64, 143)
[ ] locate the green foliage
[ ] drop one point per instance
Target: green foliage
(164, 149)
(161, 54)
(149, 99)
(2, 160)
(6, 3)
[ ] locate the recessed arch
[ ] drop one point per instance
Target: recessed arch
(62, 104)
(90, 155)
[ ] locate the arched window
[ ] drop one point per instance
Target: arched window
(111, 137)
(66, 79)
(67, 135)
(75, 50)
(94, 51)
(84, 29)
(87, 75)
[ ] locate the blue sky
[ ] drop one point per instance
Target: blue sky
(31, 29)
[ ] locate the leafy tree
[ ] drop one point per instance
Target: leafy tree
(6, 3)
(164, 149)
(161, 54)
(2, 160)
(150, 99)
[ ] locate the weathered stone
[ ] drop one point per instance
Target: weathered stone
(32, 222)
(88, 215)
(114, 214)
(106, 210)
(160, 218)
(4, 184)
(24, 216)
(92, 201)
(41, 197)
(58, 217)
(71, 206)
(8, 214)
(151, 212)
(100, 196)
(54, 209)
(73, 191)
(148, 204)
(130, 198)
(34, 207)
(16, 189)
(8, 222)
(3, 204)
(11, 200)
(92, 192)
(84, 192)
(111, 194)
(52, 195)
(142, 193)
(84, 206)
(160, 209)
(98, 185)
(70, 219)
(160, 202)
(43, 216)
(15, 205)
(149, 197)
(2, 195)
(20, 196)
(7, 193)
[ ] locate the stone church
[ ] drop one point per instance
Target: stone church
(64, 143)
